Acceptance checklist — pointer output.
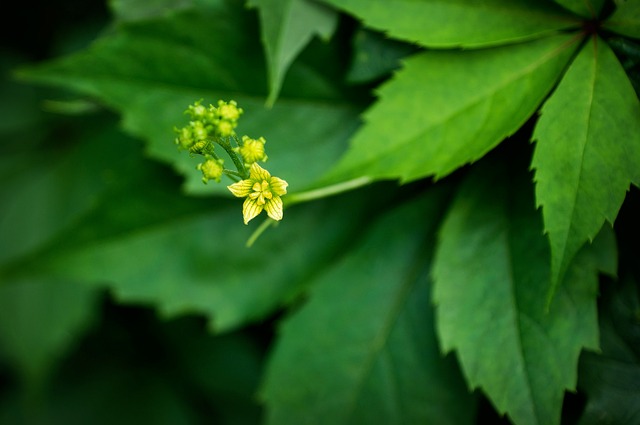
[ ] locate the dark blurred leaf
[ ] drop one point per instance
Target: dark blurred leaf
(611, 379)
(362, 350)
(375, 56)
(150, 71)
(626, 19)
(586, 8)
(40, 321)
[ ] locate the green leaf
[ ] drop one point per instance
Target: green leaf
(287, 26)
(460, 23)
(434, 116)
(625, 19)
(362, 349)
(491, 272)
(135, 10)
(611, 380)
(586, 8)
(306, 132)
(587, 152)
(39, 321)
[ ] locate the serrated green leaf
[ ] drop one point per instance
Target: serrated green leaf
(460, 23)
(491, 273)
(625, 19)
(214, 54)
(287, 26)
(448, 108)
(586, 8)
(39, 322)
(587, 152)
(362, 350)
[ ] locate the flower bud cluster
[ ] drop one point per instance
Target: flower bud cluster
(215, 125)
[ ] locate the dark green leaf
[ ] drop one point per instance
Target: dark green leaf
(587, 152)
(286, 27)
(460, 23)
(626, 19)
(362, 350)
(375, 56)
(491, 273)
(466, 104)
(611, 379)
(586, 8)
(39, 321)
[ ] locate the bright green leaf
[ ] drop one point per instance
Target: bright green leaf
(626, 19)
(587, 8)
(587, 152)
(362, 350)
(40, 320)
(491, 273)
(287, 26)
(460, 23)
(449, 108)
(306, 132)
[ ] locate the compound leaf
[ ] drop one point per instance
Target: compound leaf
(587, 152)
(366, 337)
(491, 272)
(449, 108)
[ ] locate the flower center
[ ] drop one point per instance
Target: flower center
(261, 192)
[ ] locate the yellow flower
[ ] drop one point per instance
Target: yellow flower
(262, 191)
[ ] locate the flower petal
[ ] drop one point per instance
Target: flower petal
(278, 186)
(273, 207)
(250, 209)
(257, 173)
(241, 188)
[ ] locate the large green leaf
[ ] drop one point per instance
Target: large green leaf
(362, 350)
(139, 237)
(286, 27)
(586, 8)
(587, 152)
(151, 70)
(626, 19)
(460, 23)
(491, 273)
(449, 108)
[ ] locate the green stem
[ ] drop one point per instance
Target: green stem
(323, 192)
(234, 157)
(260, 230)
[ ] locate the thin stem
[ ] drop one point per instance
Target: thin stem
(234, 157)
(259, 231)
(323, 192)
